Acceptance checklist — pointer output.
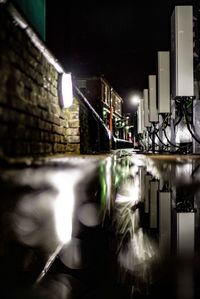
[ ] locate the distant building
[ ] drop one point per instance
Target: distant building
(106, 101)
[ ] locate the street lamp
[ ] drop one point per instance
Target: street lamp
(135, 99)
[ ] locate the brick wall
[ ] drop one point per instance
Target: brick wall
(31, 119)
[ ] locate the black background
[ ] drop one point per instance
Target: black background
(117, 39)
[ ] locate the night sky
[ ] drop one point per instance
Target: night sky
(117, 39)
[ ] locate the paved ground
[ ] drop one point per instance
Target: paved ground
(96, 227)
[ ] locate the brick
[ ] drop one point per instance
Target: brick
(73, 108)
(63, 123)
(37, 77)
(42, 102)
(48, 147)
(47, 126)
(56, 120)
(57, 129)
(74, 116)
(54, 90)
(54, 109)
(55, 147)
(75, 148)
(61, 114)
(63, 139)
(20, 90)
(32, 110)
(73, 139)
(74, 123)
(73, 131)
(43, 125)
(31, 121)
(45, 115)
(60, 148)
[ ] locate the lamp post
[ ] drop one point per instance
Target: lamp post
(135, 100)
(138, 126)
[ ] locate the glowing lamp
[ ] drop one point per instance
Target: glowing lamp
(66, 93)
(135, 100)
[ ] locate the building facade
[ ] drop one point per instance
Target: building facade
(107, 103)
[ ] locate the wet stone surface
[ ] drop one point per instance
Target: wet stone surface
(118, 226)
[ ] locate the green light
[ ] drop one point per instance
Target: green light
(103, 185)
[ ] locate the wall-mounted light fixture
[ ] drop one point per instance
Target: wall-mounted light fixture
(66, 93)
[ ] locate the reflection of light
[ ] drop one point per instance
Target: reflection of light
(138, 253)
(140, 250)
(64, 203)
(28, 220)
(71, 254)
(152, 169)
(129, 191)
(139, 160)
(109, 134)
(108, 176)
(183, 135)
(66, 88)
(133, 170)
(184, 171)
(89, 215)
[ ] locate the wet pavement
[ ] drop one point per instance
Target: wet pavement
(116, 226)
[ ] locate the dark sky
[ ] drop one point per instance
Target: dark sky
(118, 39)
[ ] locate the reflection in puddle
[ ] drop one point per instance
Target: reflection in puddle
(126, 226)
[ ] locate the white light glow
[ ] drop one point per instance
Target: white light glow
(129, 192)
(109, 134)
(183, 135)
(89, 215)
(66, 89)
(64, 204)
(135, 100)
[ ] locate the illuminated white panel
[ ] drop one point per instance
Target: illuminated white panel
(163, 82)
(153, 204)
(182, 51)
(66, 90)
(153, 113)
(146, 108)
(185, 234)
(165, 220)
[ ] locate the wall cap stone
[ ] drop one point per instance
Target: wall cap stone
(38, 43)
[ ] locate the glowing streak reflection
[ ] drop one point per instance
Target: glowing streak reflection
(64, 204)
(129, 192)
(108, 176)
